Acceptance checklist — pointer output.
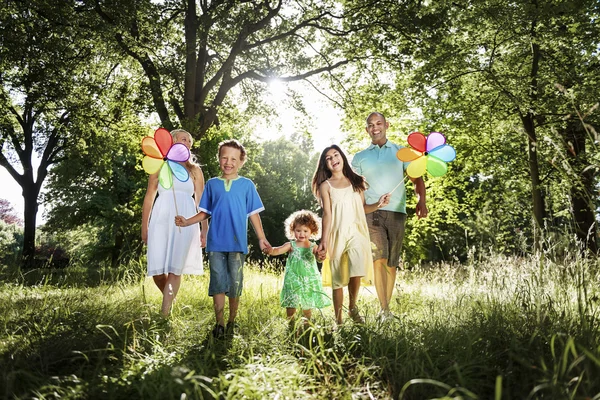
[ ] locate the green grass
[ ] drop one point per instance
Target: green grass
(500, 328)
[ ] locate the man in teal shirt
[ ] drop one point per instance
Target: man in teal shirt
(384, 172)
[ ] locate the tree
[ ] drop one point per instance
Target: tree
(48, 78)
(493, 63)
(227, 46)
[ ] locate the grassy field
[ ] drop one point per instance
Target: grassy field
(497, 328)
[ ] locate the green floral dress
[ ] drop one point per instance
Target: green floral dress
(302, 286)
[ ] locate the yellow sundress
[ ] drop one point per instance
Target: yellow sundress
(349, 246)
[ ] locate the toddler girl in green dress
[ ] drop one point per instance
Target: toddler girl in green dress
(302, 285)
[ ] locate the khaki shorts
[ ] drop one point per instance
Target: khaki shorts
(386, 230)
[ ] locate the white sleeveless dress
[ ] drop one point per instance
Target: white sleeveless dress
(171, 250)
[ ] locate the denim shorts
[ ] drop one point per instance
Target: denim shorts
(386, 230)
(226, 273)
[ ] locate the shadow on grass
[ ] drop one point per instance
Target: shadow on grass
(72, 276)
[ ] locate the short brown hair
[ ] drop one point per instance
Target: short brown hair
(234, 144)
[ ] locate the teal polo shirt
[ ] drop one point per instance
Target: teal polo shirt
(383, 171)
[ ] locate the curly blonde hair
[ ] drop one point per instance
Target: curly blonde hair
(306, 218)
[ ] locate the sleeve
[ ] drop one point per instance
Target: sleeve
(356, 164)
(254, 204)
(205, 201)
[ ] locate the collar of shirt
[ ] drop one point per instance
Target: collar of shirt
(372, 146)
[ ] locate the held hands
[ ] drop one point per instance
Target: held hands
(319, 256)
(181, 221)
(321, 251)
(265, 246)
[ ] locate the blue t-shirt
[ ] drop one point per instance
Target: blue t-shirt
(229, 207)
(383, 171)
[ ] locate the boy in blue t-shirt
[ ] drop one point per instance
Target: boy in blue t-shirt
(230, 200)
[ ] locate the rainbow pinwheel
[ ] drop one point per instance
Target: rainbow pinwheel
(161, 154)
(427, 153)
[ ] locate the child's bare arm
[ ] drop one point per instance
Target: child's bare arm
(263, 243)
(277, 251)
(326, 219)
(182, 221)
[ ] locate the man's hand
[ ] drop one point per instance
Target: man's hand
(421, 209)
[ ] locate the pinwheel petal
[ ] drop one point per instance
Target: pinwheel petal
(417, 167)
(151, 165)
(445, 153)
(179, 171)
(165, 178)
(417, 141)
(178, 152)
(150, 148)
(407, 154)
(435, 140)
(435, 166)
(163, 140)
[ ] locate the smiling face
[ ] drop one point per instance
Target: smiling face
(377, 129)
(334, 160)
(230, 161)
(302, 233)
(184, 138)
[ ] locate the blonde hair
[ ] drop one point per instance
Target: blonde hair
(191, 164)
(306, 218)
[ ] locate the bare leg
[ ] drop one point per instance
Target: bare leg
(391, 283)
(219, 305)
(353, 288)
(381, 282)
(160, 281)
(307, 314)
(169, 292)
(338, 302)
(234, 303)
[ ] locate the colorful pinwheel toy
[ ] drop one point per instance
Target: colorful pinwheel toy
(161, 154)
(427, 153)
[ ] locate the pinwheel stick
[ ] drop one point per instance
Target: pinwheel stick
(399, 183)
(175, 200)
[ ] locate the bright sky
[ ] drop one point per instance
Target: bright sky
(324, 126)
(324, 123)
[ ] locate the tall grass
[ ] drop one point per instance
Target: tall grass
(499, 327)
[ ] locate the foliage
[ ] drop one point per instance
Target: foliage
(7, 213)
(284, 184)
(95, 193)
(11, 243)
(195, 55)
(512, 88)
(496, 327)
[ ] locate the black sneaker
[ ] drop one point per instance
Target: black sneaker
(218, 332)
(232, 328)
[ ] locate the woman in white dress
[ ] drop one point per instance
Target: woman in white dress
(173, 251)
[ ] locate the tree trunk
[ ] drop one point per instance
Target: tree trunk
(118, 246)
(30, 196)
(539, 206)
(582, 187)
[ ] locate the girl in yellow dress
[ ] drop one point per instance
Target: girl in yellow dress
(340, 192)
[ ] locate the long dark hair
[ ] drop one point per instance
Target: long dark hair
(322, 173)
